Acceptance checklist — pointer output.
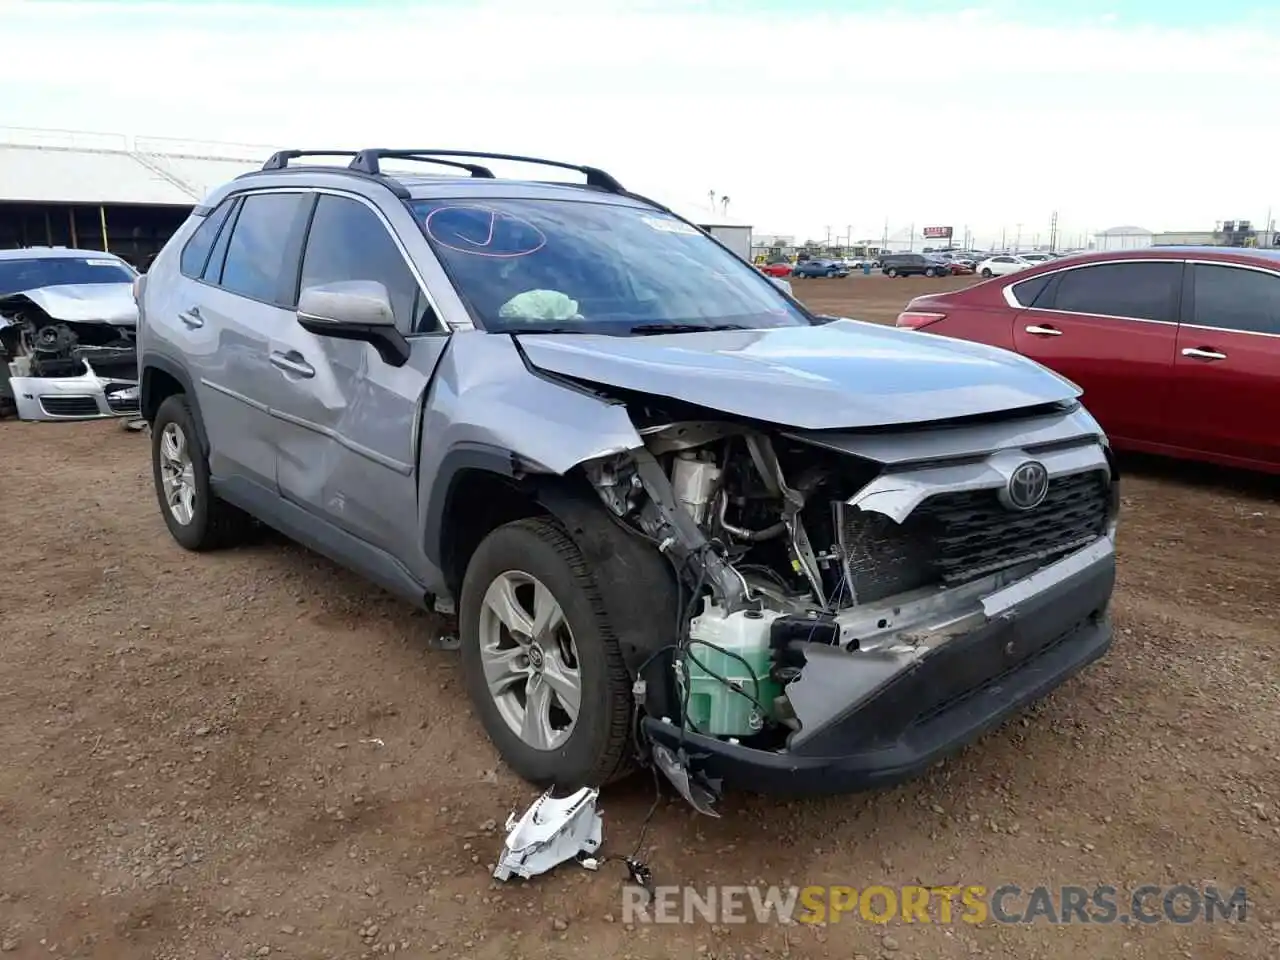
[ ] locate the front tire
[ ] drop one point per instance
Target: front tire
(540, 658)
(986, 273)
(196, 518)
(892, 271)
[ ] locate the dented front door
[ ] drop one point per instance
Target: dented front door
(349, 421)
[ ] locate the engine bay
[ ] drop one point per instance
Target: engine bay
(34, 344)
(782, 548)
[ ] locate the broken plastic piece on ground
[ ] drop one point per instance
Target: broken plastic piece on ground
(552, 831)
(699, 790)
(444, 641)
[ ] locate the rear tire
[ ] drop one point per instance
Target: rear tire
(196, 518)
(530, 561)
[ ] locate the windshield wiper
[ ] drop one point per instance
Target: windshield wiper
(647, 328)
(517, 331)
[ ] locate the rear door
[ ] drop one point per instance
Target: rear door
(348, 421)
(240, 300)
(1112, 329)
(1226, 397)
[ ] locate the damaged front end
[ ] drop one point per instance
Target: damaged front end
(855, 605)
(69, 352)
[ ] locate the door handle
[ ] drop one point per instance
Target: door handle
(1039, 331)
(192, 318)
(1203, 353)
(292, 362)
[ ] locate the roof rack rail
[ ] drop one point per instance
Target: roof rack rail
(367, 161)
(361, 163)
(280, 159)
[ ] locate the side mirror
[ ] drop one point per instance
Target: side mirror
(354, 310)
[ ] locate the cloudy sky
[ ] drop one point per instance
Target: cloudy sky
(808, 114)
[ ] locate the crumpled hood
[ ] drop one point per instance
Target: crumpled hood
(844, 374)
(111, 303)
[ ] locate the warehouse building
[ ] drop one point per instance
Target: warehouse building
(106, 192)
(103, 192)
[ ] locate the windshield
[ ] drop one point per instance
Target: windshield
(525, 266)
(19, 275)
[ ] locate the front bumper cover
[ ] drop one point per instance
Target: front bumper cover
(945, 700)
(83, 397)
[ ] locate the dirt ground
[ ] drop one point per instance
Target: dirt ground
(256, 754)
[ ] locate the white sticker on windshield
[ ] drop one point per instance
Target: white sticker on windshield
(670, 226)
(101, 263)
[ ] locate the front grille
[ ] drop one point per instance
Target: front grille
(70, 406)
(955, 537)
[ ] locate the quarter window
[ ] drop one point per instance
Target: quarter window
(196, 253)
(1027, 291)
(1232, 298)
(262, 256)
(1143, 291)
(213, 269)
(349, 242)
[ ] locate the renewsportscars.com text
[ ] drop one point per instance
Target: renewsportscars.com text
(971, 904)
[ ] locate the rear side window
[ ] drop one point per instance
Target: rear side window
(262, 256)
(1027, 291)
(1233, 298)
(348, 241)
(213, 269)
(196, 253)
(1143, 291)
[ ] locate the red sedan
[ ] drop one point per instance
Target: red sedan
(781, 268)
(1177, 349)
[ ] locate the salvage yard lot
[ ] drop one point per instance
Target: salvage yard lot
(254, 753)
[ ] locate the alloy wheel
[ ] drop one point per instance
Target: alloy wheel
(530, 660)
(177, 474)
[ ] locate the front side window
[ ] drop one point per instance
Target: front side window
(530, 265)
(1233, 298)
(1143, 291)
(17, 276)
(262, 255)
(349, 242)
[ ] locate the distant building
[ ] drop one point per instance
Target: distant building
(1123, 238)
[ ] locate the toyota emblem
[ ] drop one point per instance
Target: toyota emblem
(1027, 486)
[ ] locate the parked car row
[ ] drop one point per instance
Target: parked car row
(922, 265)
(1177, 349)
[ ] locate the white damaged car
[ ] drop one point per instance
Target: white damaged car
(68, 328)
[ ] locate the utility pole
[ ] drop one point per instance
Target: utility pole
(1004, 246)
(1053, 232)
(1017, 243)
(884, 244)
(911, 239)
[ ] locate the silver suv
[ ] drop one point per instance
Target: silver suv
(681, 520)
